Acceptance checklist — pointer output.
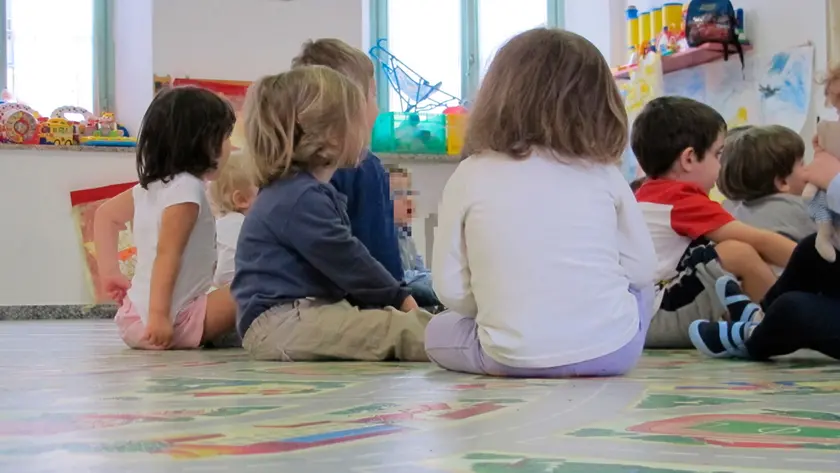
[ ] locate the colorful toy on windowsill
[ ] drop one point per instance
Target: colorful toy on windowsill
(18, 122)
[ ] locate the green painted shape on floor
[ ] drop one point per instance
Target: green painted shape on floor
(492, 463)
(811, 415)
(768, 429)
(672, 401)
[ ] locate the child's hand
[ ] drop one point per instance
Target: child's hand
(159, 331)
(116, 286)
(409, 304)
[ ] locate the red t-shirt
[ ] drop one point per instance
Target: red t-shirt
(677, 212)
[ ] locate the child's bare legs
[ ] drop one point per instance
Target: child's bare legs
(221, 315)
(743, 261)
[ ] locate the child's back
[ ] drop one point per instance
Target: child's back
(784, 214)
(545, 250)
(541, 252)
(199, 256)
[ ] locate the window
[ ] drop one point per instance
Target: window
(53, 53)
(452, 42)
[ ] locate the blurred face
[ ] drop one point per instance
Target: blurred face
(795, 183)
(401, 195)
(702, 172)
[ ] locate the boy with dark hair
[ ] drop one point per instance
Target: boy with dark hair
(678, 143)
(763, 176)
(366, 186)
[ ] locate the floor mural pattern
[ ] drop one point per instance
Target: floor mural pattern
(73, 399)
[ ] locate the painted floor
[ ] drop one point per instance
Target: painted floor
(72, 399)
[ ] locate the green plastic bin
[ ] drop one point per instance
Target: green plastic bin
(409, 133)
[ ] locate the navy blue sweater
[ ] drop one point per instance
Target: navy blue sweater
(296, 243)
(371, 211)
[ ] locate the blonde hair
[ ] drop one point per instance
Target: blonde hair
(831, 77)
(302, 120)
(236, 175)
(549, 88)
(340, 56)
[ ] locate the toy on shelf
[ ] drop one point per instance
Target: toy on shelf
(19, 127)
(58, 131)
(655, 27)
(456, 129)
(663, 30)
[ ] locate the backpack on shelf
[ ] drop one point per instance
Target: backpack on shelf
(713, 21)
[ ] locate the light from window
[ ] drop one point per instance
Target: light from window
(50, 53)
(426, 36)
(500, 20)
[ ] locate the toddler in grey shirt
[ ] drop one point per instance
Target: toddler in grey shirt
(762, 177)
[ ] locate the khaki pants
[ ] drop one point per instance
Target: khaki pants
(311, 331)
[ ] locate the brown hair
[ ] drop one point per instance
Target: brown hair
(754, 158)
(336, 54)
(831, 77)
(549, 88)
(236, 175)
(302, 120)
(669, 125)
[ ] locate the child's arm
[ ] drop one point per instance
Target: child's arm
(695, 215)
(176, 225)
(451, 270)
(774, 248)
(110, 219)
(636, 252)
(319, 235)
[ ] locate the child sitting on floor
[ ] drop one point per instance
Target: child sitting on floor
(232, 194)
(800, 311)
(184, 141)
(542, 256)
(678, 143)
(306, 288)
(762, 175)
(365, 185)
(417, 276)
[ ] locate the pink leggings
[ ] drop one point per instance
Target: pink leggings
(452, 343)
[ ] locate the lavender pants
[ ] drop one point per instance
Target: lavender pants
(452, 343)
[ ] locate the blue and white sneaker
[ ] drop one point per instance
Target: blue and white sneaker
(720, 339)
(738, 304)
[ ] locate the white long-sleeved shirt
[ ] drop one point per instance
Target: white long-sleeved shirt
(542, 254)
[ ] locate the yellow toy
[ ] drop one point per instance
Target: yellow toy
(57, 131)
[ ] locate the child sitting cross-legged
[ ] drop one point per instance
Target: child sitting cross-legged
(763, 177)
(306, 288)
(542, 257)
(800, 311)
(678, 143)
(232, 194)
(417, 275)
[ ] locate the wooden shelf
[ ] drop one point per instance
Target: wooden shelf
(703, 54)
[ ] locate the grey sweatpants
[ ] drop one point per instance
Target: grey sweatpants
(690, 296)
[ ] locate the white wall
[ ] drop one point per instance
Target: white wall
(132, 61)
(601, 22)
(775, 25)
(41, 260)
(245, 39)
